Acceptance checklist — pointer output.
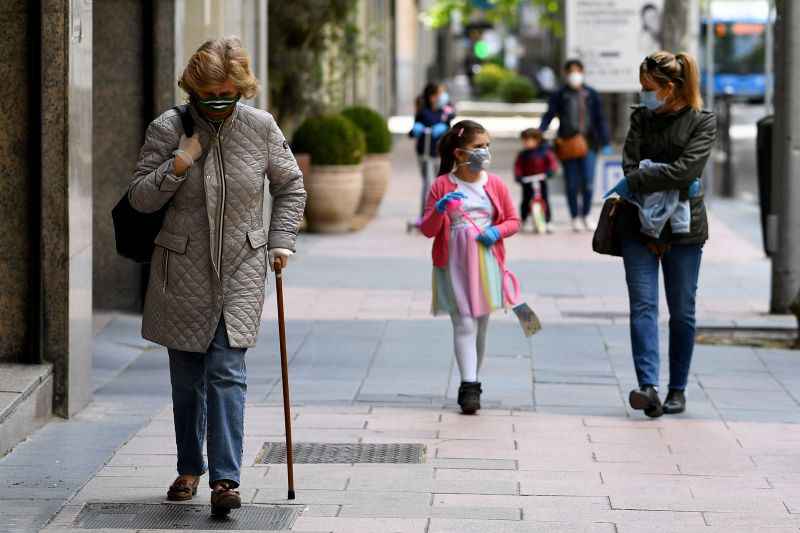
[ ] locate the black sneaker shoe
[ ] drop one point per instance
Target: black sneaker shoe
(469, 397)
(675, 402)
(646, 399)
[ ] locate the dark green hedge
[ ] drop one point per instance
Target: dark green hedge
(517, 90)
(374, 126)
(331, 140)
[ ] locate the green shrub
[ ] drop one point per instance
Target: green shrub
(489, 78)
(517, 90)
(331, 140)
(374, 126)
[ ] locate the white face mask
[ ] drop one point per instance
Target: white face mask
(575, 79)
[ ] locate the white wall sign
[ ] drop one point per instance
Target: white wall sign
(612, 37)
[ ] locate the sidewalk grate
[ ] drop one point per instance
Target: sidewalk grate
(179, 516)
(605, 315)
(347, 453)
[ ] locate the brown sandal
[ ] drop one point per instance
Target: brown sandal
(224, 497)
(182, 489)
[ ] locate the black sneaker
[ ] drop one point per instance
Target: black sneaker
(646, 399)
(675, 402)
(469, 397)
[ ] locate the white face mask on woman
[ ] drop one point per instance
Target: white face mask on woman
(575, 79)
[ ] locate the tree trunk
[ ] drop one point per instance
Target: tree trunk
(680, 26)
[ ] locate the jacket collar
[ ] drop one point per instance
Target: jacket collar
(207, 125)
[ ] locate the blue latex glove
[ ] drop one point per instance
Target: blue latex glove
(607, 150)
(418, 129)
(695, 188)
(621, 188)
(438, 130)
(444, 201)
(489, 236)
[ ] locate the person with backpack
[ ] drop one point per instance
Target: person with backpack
(207, 280)
(582, 131)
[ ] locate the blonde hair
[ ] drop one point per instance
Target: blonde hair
(216, 61)
(679, 69)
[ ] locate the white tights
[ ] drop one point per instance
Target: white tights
(469, 339)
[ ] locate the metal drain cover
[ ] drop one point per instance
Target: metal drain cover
(323, 452)
(178, 516)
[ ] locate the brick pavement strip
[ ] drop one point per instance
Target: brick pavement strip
(558, 451)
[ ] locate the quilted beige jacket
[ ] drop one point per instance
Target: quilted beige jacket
(210, 257)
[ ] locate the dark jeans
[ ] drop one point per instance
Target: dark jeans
(681, 266)
(527, 198)
(208, 392)
(579, 174)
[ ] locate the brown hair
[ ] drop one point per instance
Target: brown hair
(216, 61)
(531, 133)
(459, 136)
(679, 69)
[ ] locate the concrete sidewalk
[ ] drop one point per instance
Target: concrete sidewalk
(556, 448)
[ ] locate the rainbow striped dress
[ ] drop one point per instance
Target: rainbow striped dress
(471, 285)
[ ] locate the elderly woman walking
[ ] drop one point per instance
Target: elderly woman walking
(209, 266)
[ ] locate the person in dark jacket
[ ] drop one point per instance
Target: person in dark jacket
(535, 163)
(434, 114)
(579, 111)
(670, 128)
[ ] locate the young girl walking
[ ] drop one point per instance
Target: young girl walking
(468, 214)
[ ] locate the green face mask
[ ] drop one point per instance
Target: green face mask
(216, 104)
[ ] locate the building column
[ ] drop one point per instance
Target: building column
(66, 200)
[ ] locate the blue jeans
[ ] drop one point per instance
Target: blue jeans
(681, 266)
(208, 392)
(579, 174)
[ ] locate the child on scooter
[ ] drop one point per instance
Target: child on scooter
(534, 164)
(431, 121)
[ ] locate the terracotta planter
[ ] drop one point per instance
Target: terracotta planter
(334, 192)
(377, 170)
(304, 162)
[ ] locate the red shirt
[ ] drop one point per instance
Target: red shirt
(437, 225)
(534, 161)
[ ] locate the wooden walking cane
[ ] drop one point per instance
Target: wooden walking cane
(287, 417)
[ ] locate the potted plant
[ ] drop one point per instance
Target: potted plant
(377, 165)
(336, 180)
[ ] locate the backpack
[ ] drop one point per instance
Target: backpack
(134, 231)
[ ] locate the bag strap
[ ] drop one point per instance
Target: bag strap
(581, 111)
(187, 121)
(507, 274)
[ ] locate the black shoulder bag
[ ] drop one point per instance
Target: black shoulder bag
(134, 231)
(606, 238)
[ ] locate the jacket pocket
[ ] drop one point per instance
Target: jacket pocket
(171, 243)
(257, 238)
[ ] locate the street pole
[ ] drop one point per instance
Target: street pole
(786, 146)
(709, 64)
(769, 60)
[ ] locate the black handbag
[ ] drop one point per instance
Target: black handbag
(134, 231)
(606, 239)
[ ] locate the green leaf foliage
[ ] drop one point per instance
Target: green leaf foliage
(374, 126)
(331, 140)
(517, 90)
(488, 80)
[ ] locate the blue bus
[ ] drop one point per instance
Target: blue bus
(740, 47)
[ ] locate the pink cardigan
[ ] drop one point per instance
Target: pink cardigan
(437, 225)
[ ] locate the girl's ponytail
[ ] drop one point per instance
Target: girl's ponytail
(690, 72)
(446, 152)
